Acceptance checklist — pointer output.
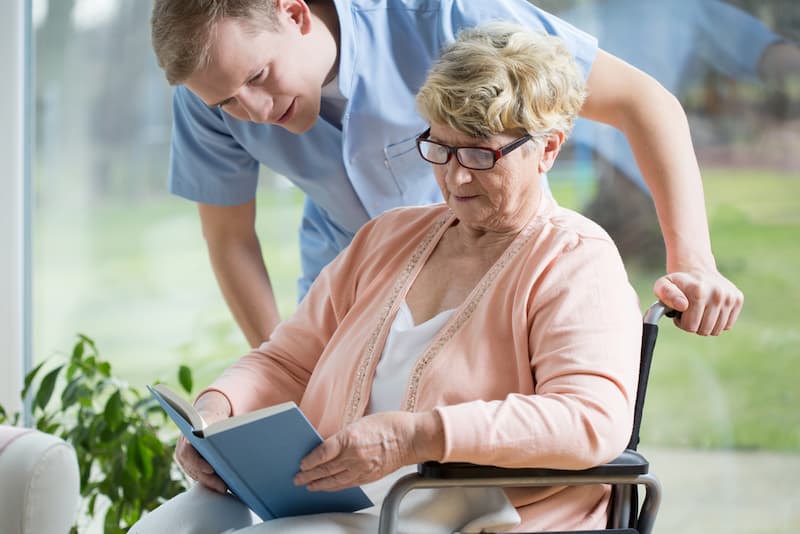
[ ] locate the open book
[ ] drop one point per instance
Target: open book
(258, 454)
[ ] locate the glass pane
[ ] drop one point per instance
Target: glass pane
(116, 257)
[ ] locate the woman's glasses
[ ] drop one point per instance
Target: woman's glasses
(472, 157)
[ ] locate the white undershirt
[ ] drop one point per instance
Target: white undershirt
(404, 345)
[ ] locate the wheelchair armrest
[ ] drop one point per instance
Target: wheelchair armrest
(628, 463)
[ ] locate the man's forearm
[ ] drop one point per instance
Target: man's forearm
(245, 284)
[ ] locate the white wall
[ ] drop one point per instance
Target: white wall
(14, 288)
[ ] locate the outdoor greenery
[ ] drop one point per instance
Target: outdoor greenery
(144, 290)
(125, 462)
(738, 390)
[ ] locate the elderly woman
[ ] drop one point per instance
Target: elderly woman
(495, 328)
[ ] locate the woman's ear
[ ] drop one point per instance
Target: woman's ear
(552, 145)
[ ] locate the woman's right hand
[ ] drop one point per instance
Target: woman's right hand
(212, 406)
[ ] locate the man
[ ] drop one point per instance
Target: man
(323, 93)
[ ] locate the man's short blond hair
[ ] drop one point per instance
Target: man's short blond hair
(503, 77)
(182, 30)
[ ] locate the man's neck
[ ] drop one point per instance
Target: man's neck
(325, 13)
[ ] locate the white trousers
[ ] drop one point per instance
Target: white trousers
(439, 511)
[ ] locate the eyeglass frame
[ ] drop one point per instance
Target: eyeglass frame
(497, 153)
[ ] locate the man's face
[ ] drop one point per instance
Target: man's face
(265, 76)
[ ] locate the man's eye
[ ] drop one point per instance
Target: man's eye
(257, 77)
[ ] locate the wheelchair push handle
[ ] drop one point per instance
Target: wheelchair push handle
(658, 310)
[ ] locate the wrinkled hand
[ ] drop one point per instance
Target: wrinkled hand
(709, 303)
(371, 448)
(189, 459)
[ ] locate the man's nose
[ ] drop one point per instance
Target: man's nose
(256, 104)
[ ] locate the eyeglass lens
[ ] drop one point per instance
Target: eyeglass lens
(473, 158)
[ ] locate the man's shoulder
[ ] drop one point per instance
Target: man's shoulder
(364, 5)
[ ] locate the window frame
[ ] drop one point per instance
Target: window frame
(15, 203)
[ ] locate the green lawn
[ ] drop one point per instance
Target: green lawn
(738, 390)
(136, 278)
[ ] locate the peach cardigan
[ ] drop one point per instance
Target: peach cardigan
(537, 367)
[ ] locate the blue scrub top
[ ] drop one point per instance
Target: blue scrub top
(370, 165)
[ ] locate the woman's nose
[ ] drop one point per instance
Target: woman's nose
(456, 173)
(255, 103)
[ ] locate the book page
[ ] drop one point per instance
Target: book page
(237, 420)
(182, 406)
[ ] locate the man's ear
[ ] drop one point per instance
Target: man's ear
(295, 13)
(552, 145)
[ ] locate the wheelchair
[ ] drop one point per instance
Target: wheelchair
(626, 473)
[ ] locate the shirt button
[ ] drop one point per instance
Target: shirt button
(386, 163)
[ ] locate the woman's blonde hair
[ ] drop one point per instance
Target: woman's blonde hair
(182, 30)
(502, 77)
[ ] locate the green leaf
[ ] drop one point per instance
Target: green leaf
(90, 505)
(77, 351)
(145, 458)
(3, 416)
(185, 378)
(89, 341)
(85, 396)
(113, 411)
(29, 379)
(104, 368)
(71, 392)
(111, 522)
(46, 388)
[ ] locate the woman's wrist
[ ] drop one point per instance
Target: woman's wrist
(428, 437)
(213, 406)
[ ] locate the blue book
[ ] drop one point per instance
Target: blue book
(257, 455)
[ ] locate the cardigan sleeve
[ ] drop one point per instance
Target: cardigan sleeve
(279, 370)
(584, 338)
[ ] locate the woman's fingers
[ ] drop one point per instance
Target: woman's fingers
(196, 467)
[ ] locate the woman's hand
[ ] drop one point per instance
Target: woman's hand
(370, 449)
(709, 303)
(212, 406)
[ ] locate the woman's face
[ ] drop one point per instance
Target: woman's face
(501, 199)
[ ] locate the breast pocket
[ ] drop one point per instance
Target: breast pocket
(411, 173)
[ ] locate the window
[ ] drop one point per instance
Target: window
(116, 257)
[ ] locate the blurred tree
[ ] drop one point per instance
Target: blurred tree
(130, 119)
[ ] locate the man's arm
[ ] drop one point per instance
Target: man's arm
(235, 255)
(657, 130)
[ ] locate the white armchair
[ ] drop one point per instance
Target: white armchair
(39, 482)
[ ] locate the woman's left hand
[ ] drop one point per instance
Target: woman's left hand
(370, 449)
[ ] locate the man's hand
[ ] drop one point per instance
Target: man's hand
(709, 303)
(212, 406)
(370, 449)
